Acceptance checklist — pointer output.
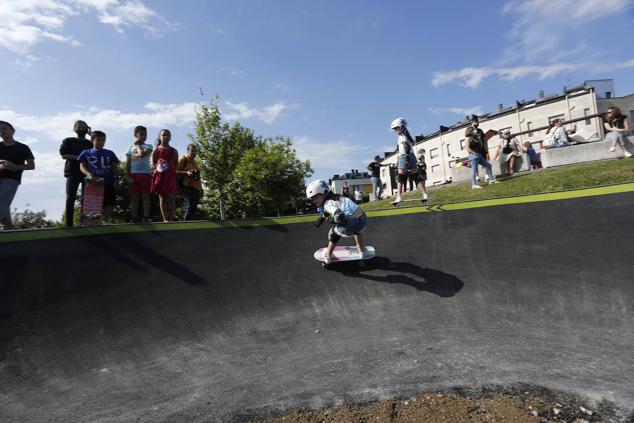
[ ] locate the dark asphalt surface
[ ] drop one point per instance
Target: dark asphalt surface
(229, 324)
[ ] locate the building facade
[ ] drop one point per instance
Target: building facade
(444, 148)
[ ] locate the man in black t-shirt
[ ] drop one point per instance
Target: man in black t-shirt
(375, 177)
(70, 149)
(15, 158)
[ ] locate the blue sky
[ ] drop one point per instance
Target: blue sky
(329, 74)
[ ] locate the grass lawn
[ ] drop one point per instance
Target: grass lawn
(585, 175)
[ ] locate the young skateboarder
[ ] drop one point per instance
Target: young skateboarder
(349, 219)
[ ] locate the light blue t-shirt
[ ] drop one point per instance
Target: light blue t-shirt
(139, 164)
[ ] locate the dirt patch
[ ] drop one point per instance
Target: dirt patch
(522, 407)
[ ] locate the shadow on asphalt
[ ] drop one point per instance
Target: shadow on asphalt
(422, 278)
(137, 255)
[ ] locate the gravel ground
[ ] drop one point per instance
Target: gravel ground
(509, 405)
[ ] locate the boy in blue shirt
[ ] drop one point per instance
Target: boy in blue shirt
(101, 164)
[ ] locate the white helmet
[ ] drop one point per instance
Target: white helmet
(397, 123)
(317, 187)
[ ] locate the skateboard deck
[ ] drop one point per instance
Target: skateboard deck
(92, 203)
(344, 253)
(413, 200)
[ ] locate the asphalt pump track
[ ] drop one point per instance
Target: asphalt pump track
(229, 324)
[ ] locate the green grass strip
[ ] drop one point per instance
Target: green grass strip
(38, 234)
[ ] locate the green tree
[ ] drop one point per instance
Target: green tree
(270, 179)
(220, 148)
(28, 219)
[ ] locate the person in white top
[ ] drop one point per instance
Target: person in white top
(508, 151)
(406, 157)
(560, 137)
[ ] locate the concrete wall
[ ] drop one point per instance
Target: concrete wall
(582, 153)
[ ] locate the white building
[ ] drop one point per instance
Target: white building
(444, 148)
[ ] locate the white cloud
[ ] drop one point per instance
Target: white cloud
(58, 125)
(268, 114)
(462, 111)
(155, 115)
(330, 157)
(233, 71)
(546, 39)
(25, 23)
(472, 77)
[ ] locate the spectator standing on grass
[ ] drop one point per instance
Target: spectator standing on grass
(70, 150)
(358, 196)
(15, 158)
(406, 157)
(345, 191)
(422, 172)
(508, 151)
(375, 169)
(164, 183)
(560, 137)
(99, 163)
(137, 169)
(482, 143)
(474, 147)
(618, 129)
(191, 188)
(536, 162)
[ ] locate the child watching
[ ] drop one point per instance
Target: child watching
(99, 164)
(536, 163)
(139, 177)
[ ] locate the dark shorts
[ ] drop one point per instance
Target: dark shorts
(109, 198)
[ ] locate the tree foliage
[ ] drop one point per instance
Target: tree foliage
(28, 219)
(270, 179)
(220, 148)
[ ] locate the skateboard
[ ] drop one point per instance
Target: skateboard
(92, 202)
(398, 203)
(344, 253)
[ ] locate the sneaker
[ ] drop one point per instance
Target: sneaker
(477, 179)
(486, 177)
(612, 149)
(147, 220)
(327, 259)
(493, 181)
(627, 154)
(476, 187)
(133, 220)
(398, 199)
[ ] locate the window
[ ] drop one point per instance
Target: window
(433, 153)
(586, 112)
(448, 150)
(608, 94)
(528, 126)
(435, 168)
(462, 144)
